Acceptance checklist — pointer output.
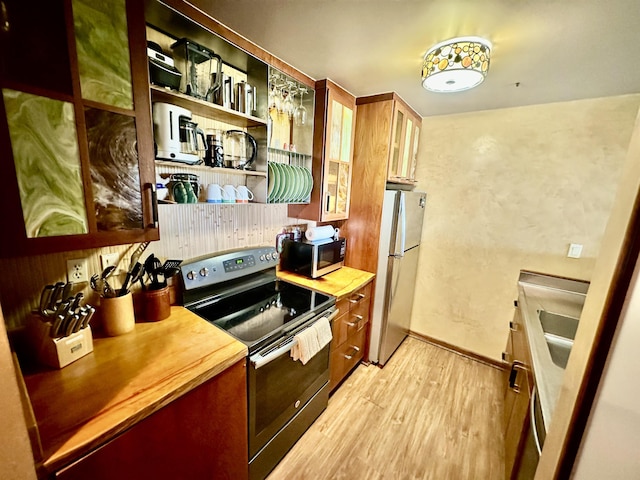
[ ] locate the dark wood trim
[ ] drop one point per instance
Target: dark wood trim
(142, 104)
(461, 351)
(618, 290)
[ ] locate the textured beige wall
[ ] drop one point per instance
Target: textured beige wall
(508, 190)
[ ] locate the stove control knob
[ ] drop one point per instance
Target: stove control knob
(191, 275)
(204, 271)
(262, 257)
(268, 256)
(274, 255)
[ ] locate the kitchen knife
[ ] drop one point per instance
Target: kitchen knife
(66, 290)
(45, 297)
(55, 327)
(72, 320)
(91, 311)
(76, 302)
(56, 295)
(82, 315)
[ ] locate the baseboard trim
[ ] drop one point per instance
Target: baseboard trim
(460, 351)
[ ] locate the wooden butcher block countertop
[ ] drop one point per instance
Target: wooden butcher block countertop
(124, 380)
(339, 283)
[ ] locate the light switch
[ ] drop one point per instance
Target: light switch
(575, 250)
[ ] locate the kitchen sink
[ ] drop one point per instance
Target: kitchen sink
(559, 333)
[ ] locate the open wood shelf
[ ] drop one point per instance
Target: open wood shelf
(205, 109)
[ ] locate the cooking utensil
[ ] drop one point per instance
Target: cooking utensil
(137, 253)
(132, 277)
(152, 266)
(171, 264)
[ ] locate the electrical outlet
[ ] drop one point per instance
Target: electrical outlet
(77, 270)
(108, 259)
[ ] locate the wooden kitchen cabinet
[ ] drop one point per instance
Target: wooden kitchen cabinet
(333, 146)
(518, 391)
(387, 134)
(202, 434)
(349, 330)
(76, 136)
(405, 136)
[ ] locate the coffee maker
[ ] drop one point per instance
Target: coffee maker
(176, 135)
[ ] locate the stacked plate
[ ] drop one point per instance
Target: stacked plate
(288, 183)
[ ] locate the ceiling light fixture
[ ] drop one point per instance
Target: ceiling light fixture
(456, 64)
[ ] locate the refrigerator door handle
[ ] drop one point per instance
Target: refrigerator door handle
(402, 228)
(395, 277)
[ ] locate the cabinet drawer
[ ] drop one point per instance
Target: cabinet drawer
(346, 356)
(339, 329)
(359, 301)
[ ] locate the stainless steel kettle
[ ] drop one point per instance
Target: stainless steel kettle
(240, 149)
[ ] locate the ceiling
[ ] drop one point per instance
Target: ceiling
(543, 50)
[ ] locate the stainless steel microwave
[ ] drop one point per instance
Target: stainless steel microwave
(313, 259)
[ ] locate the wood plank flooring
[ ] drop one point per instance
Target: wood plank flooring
(428, 414)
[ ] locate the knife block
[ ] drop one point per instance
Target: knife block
(57, 352)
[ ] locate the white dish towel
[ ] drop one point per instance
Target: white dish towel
(311, 340)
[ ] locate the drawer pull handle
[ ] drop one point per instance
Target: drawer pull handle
(353, 354)
(353, 324)
(513, 326)
(356, 300)
(514, 374)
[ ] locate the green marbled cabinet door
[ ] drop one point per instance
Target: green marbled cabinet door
(113, 158)
(45, 152)
(103, 51)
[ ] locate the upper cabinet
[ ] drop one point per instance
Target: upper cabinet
(386, 149)
(75, 126)
(333, 139)
(403, 138)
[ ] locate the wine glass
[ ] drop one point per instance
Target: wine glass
(300, 113)
(288, 105)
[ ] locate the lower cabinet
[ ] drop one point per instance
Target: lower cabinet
(202, 434)
(349, 334)
(518, 391)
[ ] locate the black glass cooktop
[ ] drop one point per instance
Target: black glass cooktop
(257, 315)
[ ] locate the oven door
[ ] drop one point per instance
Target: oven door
(279, 388)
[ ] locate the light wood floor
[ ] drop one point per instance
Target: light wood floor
(428, 414)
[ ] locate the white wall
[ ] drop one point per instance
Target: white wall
(509, 190)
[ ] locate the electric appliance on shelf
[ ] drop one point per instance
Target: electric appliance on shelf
(238, 292)
(162, 70)
(399, 247)
(176, 135)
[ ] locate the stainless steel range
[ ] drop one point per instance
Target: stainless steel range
(238, 292)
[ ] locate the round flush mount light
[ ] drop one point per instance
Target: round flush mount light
(457, 64)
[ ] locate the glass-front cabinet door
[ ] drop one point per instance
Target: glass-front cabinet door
(79, 149)
(403, 151)
(333, 140)
(338, 161)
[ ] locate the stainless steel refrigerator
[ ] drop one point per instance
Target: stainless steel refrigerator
(402, 218)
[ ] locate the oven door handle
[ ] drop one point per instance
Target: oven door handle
(259, 360)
